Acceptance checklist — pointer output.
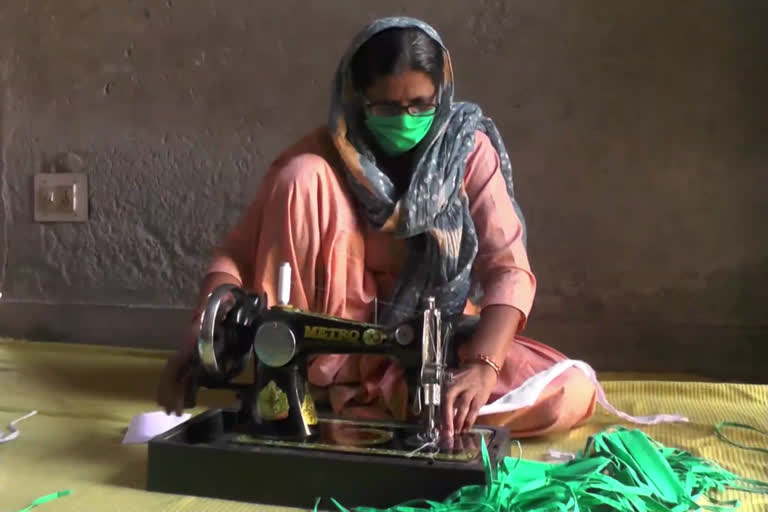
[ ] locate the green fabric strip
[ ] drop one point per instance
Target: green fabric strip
(619, 469)
(723, 424)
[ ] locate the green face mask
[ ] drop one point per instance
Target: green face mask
(398, 134)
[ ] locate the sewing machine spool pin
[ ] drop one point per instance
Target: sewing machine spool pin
(284, 285)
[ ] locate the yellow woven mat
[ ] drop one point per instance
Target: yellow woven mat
(86, 396)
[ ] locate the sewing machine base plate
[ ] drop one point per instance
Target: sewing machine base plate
(359, 463)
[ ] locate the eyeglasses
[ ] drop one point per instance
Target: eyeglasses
(393, 109)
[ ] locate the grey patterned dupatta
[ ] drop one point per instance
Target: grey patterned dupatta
(433, 214)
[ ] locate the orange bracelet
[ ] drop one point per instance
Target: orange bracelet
(482, 358)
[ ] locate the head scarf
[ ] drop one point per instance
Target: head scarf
(433, 214)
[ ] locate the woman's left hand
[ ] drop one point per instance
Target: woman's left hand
(469, 390)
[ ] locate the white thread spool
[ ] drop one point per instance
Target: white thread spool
(284, 285)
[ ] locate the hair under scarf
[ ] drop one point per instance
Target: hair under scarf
(433, 213)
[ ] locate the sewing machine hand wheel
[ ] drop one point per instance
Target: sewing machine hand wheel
(222, 355)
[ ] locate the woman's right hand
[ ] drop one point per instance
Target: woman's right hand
(174, 378)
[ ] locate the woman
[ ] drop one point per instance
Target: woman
(404, 194)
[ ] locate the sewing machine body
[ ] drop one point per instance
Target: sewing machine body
(275, 448)
(282, 338)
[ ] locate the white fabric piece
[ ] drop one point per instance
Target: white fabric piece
(560, 456)
(147, 425)
(529, 391)
(13, 431)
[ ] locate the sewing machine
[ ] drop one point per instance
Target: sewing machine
(276, 448)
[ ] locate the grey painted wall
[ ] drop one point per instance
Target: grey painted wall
(637, 130)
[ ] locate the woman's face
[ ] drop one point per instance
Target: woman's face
(407, 89)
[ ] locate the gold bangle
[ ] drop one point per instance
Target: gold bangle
(482, 358)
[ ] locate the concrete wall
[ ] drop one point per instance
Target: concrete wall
(637, 130)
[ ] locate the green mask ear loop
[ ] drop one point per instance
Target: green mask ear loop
(724, 438)
(46, 499)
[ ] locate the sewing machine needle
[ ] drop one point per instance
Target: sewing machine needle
(375, 310)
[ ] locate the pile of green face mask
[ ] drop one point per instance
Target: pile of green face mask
(619, 470)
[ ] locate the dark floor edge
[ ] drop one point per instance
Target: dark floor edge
(728, 353)
(138, 327)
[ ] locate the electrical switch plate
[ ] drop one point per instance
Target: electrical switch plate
(61, 197)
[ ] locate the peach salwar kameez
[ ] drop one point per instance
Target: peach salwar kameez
(303, 214)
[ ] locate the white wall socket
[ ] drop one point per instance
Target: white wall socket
(61, 197)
